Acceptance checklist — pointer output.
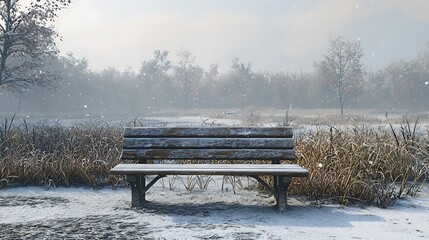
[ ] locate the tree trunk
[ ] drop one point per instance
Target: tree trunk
(6, 43)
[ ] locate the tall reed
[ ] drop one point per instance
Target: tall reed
(374, 165)
(41, 154)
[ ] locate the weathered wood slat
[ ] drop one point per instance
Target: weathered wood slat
(212, 143)
(224, 132)
(222, 143)
(220, 154)
(211, 169)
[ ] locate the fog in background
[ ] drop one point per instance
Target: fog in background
(142, 56)
(275, 35)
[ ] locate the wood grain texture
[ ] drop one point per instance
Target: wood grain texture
(212, 143)
(223, 132)
(205, 154)
(292, 170)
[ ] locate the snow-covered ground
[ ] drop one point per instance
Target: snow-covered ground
(32, 212)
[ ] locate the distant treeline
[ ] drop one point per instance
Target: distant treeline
(160, 83)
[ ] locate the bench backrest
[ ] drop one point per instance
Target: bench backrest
(217, 143)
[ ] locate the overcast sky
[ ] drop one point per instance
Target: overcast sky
(274, 35)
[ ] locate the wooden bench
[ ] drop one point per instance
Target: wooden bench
(242, 145)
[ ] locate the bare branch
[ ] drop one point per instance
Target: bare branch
(26, 39)
(342, 66)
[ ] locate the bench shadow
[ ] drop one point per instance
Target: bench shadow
(218, 213)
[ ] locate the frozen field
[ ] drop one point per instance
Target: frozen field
(34, 213)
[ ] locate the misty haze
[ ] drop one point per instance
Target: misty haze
(141, 58)
(111, 112)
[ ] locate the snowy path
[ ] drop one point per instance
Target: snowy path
(32, 212)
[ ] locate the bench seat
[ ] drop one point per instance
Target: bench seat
(291, 170)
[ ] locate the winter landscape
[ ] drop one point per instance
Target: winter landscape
(223, 209)
(351, 78)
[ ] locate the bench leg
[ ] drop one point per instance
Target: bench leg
(276, 189)
(282, 186)
(138, 193)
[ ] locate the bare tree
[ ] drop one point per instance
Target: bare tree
(342, 68)
(154, 70)
(188, 73)
(213, 73)
(27, 40)
(244, 74)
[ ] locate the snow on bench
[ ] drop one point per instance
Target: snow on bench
(243, 147)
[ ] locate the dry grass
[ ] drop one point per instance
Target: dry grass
(57, 155)
(376, 166)
(372, 165)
